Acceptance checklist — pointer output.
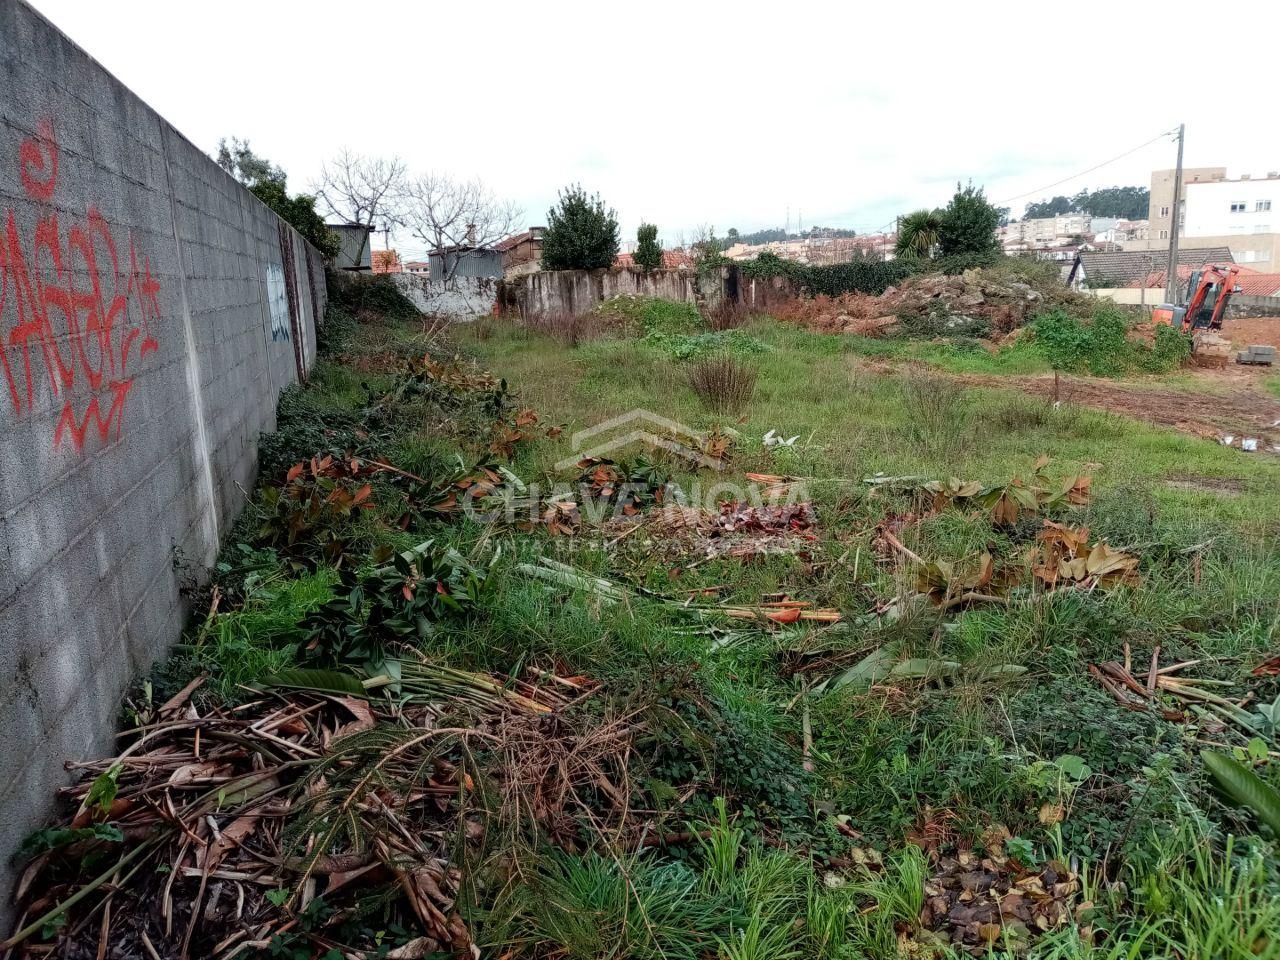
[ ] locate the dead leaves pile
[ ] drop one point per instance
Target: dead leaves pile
(1065, 557)
(977, 903)
(217, 827)
(1007, 502)
(738, 530)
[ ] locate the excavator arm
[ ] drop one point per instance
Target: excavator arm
(1208, 293)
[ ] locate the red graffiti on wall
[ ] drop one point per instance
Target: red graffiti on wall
(81, 304)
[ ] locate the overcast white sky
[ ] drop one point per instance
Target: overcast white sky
(711, 113)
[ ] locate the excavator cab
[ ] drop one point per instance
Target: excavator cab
(1208, 293)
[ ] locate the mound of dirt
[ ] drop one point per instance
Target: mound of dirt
(975, 303)
(975, 294)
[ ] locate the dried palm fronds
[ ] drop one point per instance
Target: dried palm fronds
(213, 832)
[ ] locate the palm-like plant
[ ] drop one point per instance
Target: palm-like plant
(918, 233)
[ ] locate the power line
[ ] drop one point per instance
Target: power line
(1074, 176)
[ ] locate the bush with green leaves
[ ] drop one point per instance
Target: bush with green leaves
(582, 233)
(648, 255)
(918, 233)
(397, 602)
(1100, 345)
(369, 295)
(309, 517)
(968, 224)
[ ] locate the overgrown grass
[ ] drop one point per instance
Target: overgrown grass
(749, 773)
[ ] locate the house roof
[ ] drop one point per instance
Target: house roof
(349, 226)
(1124, 267)
(508, 243)
(1157, 277)
(1259, 284)
(671, 260)
(462, 248)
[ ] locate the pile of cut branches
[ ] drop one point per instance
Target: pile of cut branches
(312, 820)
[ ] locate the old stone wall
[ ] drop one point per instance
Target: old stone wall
(151, 312)
(461, 298)
(576, 292)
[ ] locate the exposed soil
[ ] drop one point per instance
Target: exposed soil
(1231, 402)
(1250, 330)
(1215, 485)
(1238, 411)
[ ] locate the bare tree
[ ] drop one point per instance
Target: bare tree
(363, 190)
(456, 218)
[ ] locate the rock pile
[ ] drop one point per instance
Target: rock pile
(977, 302)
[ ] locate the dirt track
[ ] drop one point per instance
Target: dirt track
(1241, 408)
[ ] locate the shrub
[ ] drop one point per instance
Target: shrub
(918, 233)
(648, 253)
(768, 265)
(582, 234)
(376, 294)
(400, 602)
(727, 315)
(1101, 345)
(1171, 349)
(722, 383)
(862, 275)
(968, 224)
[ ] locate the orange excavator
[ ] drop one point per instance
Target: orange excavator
(1208, 294)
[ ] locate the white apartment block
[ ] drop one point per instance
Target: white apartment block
(1242, 214)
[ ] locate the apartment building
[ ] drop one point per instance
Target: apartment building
(1242, 214)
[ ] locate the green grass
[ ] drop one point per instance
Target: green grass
(1272, 385)
(854, 421)
(722, 720)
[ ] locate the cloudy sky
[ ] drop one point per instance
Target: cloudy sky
(726, 114)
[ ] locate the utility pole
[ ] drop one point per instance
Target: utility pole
(1173, 290)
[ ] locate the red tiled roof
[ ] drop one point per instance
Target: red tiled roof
(508, 243)
(1246, 279)
(1259, 284)
(671, 260)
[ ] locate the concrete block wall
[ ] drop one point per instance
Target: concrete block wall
(151, 312)
(462, 298)
(576, 292)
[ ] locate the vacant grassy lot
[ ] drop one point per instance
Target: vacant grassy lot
(894, 725)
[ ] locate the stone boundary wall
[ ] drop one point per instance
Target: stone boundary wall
(461, 299)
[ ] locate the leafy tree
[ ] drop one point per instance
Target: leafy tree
(268, 183)
(733, 234)
(648, 251)
(237, 158)
(1127, 203)
(582, 233)
(919, 233)
(968, 224)
(1049, 208)
(300, 211)
(762, 236)
(706, 249)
